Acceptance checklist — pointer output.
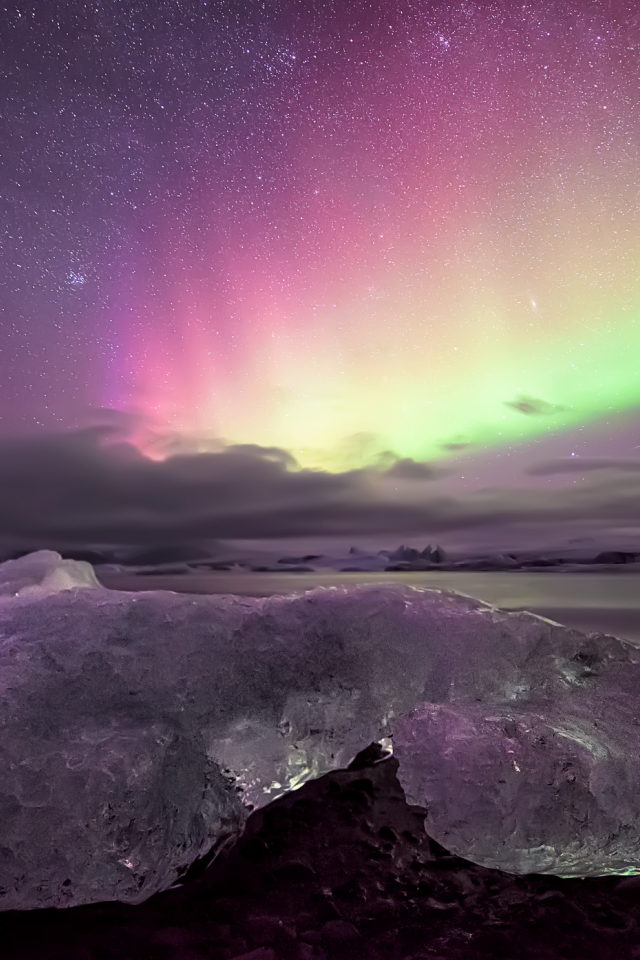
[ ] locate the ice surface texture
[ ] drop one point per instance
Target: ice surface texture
(137, 729)
(523, 792)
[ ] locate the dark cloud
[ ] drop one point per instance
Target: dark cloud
(533, 406)
(117, 422)
(83, 488)
(583, 465)
(409, 469)
(456, 445)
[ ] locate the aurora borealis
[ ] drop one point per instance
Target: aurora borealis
(340, 229)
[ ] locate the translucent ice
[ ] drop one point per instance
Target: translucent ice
(44, 572)
(137, 730)
(522, 792)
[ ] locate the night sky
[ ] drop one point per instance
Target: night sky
(358, 232)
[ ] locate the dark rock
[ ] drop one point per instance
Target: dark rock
(238, 949)
(340, 932)
(294, 871)
(386, 833)
(256, 850)
(404, 553)
(352, 889)
(307, 951)
(372, 754)
(260, 953)
(173, 936)
(382, 909)
(629, 886)
(326, 908)
(306, 811)
(355, 797)
(268, 930)
(311, 936)
(364, 784)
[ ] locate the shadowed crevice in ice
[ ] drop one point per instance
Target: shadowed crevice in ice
(137, 731)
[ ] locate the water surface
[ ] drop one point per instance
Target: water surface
(607, 602)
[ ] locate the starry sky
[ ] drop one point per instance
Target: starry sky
(359, 231)
(337, 228)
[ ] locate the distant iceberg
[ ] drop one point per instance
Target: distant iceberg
(44, 572)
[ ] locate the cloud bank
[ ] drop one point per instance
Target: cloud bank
(620, 465)
(82, 487)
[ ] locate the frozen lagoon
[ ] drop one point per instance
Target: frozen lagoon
(588, 601)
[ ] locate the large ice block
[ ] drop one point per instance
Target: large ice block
(523, 792)
(137, 730)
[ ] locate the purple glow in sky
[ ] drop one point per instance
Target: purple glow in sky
(364, 233)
